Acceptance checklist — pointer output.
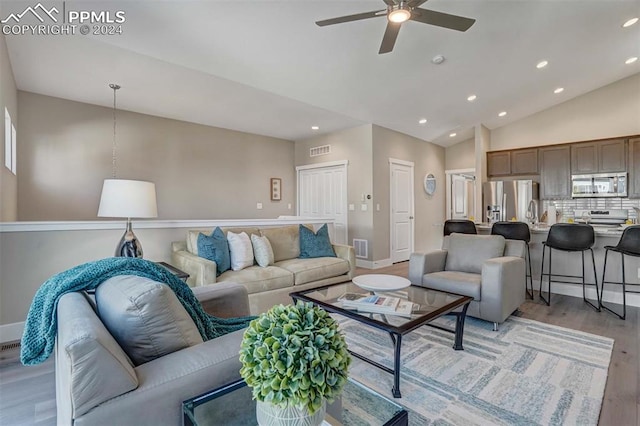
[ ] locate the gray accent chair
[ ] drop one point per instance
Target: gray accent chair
(486, 267)
(98, 384)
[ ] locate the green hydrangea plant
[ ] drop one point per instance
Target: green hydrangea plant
(294, 354)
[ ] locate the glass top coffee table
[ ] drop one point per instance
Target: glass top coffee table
(232, 405)
(428, 305)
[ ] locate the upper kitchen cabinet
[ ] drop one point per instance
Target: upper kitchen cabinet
(555, 172)
(524, 162)
(512, 163)
(499, 163)
(599, 157)
(634, 167)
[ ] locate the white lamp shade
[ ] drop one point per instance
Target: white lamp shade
(128, 198)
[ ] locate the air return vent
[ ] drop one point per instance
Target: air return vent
(361, 247)
(320, 150)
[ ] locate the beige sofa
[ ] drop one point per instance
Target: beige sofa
(272, 284)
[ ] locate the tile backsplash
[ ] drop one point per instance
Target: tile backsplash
(568, 206)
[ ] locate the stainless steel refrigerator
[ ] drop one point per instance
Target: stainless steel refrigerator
(509, 199)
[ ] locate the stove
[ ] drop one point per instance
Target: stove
(604, 218)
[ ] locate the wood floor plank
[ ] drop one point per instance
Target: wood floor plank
(27, 394)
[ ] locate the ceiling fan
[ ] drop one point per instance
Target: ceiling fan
(402, 11)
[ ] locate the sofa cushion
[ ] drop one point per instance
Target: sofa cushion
(262, 250)
(467, 253)
(192, 235)
(309, 270)
(240, 249)
(464, 283)
(315, 244)
(215, 248)
(285, 241)
(257, 279)
(145, 317)
(98, 367)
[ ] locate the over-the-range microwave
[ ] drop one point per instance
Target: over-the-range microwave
(599, 185)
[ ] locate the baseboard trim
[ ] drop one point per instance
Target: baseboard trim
(575, 290)
(11, 332)
(375, 264)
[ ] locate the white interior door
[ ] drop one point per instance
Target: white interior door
(322, 192)
(459, 197)
(401, 186)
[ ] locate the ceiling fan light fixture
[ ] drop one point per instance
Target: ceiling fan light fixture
(399, 14)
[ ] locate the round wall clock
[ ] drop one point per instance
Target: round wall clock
(429, 184)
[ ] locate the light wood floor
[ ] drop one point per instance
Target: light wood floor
(27, 394)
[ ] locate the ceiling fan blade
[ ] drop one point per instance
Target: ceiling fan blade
(440, 19)
(390, 36)
(350, 18)
(390, 2)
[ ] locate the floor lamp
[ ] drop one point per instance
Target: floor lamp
(130, 199)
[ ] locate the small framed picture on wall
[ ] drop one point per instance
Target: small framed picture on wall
(276, 189)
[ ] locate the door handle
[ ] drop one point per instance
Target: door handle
(411, 217)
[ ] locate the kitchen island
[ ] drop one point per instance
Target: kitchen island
(570, 264)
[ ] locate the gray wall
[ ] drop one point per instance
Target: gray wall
(8, 99)
(461, 155)
(200, 172)
(353, 145)
(429, 210)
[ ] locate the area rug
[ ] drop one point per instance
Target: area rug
(527, 373)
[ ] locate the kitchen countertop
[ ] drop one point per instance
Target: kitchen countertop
(543, 229)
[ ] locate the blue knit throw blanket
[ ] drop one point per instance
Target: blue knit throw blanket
(41, 325)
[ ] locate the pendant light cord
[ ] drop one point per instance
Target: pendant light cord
(113, 153)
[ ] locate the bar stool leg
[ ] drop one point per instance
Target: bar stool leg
(547, 301)
(595, 278)
(624, 299)
(529, 292)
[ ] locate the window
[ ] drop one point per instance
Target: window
(9, 143)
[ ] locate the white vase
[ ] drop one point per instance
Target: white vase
(269, 414)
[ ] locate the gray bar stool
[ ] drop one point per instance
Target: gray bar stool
(517, 231)
(570, 237)
(629, 244)
(461, 226)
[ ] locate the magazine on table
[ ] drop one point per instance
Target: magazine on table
(369, 303)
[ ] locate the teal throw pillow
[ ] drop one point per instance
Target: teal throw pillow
(216, 248)
(315, 244)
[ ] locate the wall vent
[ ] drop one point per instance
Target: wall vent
(361, 247)
(320, 150)
(10, 345)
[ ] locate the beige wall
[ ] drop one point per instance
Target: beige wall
(8, 99)
(461, 155)
(612, 110)
(200, 172)
(429, 210)
(353, 145)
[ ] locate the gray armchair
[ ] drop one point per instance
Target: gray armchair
(97, 383)
(486, 267)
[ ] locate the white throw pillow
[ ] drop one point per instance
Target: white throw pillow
(262, 250)
(240, 249)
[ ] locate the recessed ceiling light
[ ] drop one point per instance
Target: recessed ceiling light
(630, 22)
(452, 135)
(422, 121)
(631, 60)
(472, 98)
(559, 90)
(502, 114)
(542, 64)
(315, 128)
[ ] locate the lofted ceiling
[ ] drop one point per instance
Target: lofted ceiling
(264, 67)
